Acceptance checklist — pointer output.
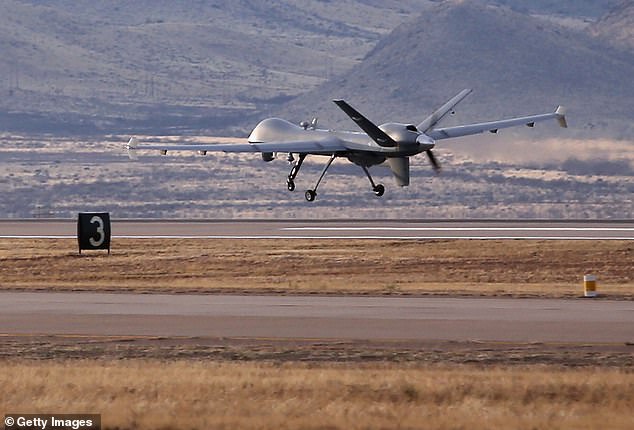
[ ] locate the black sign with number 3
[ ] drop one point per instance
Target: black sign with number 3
(93, 230)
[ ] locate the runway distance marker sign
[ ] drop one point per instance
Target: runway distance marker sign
(93, 230)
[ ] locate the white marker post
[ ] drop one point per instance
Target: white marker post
(589, 286)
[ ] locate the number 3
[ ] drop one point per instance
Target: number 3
(102, 234)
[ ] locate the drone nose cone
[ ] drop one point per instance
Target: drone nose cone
(425, 142)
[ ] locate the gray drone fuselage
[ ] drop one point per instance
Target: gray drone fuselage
(369, 153)
(391, 142)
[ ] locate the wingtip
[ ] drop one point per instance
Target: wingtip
(131, 146)
(132, 143)
(561, 116)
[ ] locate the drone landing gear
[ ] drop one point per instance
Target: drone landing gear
(311, 194)
(378, 189)
(290, 181)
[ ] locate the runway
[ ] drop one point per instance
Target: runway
(325, 317)
(330, 229)
(314, 317)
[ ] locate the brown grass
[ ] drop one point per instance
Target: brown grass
(490, 267)
(159, 395)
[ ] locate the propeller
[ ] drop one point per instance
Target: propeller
(433, 160)
(427, 143)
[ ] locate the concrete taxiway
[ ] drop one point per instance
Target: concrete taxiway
(316, 229)
(315, 317)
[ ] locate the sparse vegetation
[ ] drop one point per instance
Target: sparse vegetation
(490, 267)
(140, 394)
(58, 177)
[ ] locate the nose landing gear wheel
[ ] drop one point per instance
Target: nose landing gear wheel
(379, 190)
(290, 179)
(310, 195)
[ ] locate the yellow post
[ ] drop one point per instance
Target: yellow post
(590, 286)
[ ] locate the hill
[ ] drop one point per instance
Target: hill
(516, 64)
(153, 65)
(617, 26)
(181, 62)
(570, 8)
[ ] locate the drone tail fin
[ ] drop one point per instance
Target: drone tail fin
(442, 111)
(400, 169)
(561, 116)
(131, 147)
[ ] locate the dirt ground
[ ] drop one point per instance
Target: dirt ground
(522, 268)
(576, 355)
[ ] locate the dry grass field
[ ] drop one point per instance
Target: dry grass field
(196, 395)
(470, 267)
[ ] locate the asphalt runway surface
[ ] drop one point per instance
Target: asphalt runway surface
(318, 317)
(313, 317)
(316, 229)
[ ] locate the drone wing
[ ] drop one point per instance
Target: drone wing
(328, 145)
(494, 126)
(374, 132)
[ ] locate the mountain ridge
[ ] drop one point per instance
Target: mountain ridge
(132, 60)
(519, 65)
(617, 26)
(181, 67)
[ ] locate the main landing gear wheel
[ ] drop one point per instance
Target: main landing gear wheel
(379, 189)
(310, 195)
(290, 184)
